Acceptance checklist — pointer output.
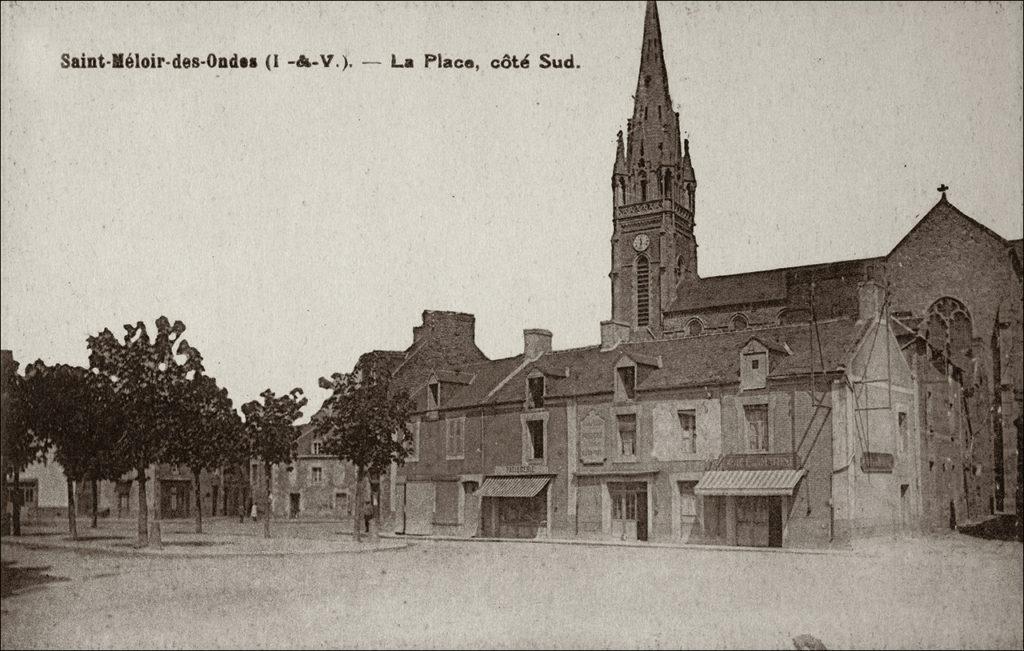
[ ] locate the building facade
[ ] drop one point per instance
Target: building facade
(801, 406)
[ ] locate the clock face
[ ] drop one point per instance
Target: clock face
(641, 242)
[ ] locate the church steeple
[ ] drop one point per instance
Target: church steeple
(653, 186)
(654, 129)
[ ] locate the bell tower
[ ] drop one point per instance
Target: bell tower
(653, 194)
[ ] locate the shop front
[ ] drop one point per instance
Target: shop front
(515, 504)
(747, 508)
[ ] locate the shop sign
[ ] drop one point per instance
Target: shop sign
(521, 470)
(771, 461)
(876, 462)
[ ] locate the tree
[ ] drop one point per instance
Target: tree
(364, 422)
(20, 446)
(207, 432)
(270, 434)
(146, 376)
(76, 411)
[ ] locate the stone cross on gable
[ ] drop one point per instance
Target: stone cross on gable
(942, 188)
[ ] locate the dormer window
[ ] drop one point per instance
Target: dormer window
(535, 392)
(753, 366)
(625, 384)
(434, 395)
(317, 448)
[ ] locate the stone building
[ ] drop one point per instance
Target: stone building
(793, 406)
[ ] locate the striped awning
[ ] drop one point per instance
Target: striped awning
(512, 486)
(748, 482)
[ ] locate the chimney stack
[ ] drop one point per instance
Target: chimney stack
(613, 333)
(536, 342)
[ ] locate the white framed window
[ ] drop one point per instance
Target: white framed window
(756, 420)
(455, 438)
(688, 430)
(627, 434)
(317, 447)
(316, 475)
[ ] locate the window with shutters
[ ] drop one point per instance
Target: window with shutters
(643, 291)
(455, 438)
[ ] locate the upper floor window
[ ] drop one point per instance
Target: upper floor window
(625, 385)
(535, 429)
(738, 322)
(316, 475)
(535, 392)
(688, 430)
(756, 419)
(434, 395)
(694, 327)
(412, 442)
(643, 291)
(455, 438)
(901, 421)
(627, 434)
(317, 447)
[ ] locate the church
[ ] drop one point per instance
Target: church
(800, 406)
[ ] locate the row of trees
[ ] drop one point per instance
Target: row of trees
(146, 400)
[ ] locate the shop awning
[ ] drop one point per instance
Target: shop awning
(512, 486)
(748, 482)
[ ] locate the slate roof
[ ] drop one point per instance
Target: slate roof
(706, 360)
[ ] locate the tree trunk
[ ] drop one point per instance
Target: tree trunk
(266, 500)
(357, 524)
(95, 504)
(72, 510)
(143, 539)
(199, 501)
(16, 505)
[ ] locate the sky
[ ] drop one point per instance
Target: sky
(294, 218)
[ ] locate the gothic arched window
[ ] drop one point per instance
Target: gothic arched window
(949, 326)
(679, 268)
(694, 327)
(668, 184)
(643, 291)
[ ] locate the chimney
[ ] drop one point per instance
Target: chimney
(613, 333)
(443, 324)
(536, 342)
(870, 296)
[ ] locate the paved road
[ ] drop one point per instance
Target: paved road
(468, 594)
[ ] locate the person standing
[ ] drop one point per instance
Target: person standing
(253, 512)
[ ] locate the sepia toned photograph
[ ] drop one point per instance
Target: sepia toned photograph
(514, 325)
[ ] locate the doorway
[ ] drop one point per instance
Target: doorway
(687, 510)
(629, 510)
(294, 502)
(905, 506)
(775, 522)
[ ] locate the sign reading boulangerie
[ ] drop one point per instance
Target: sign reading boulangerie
(592, 439)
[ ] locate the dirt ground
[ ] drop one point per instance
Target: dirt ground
(947, 592)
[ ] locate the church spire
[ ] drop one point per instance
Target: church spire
(654, 129)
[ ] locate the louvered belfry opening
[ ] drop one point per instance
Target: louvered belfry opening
(643, 291)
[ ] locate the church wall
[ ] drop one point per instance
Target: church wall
(947, 255)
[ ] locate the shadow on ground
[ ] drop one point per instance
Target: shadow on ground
(1001, 527)
(15, 580)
